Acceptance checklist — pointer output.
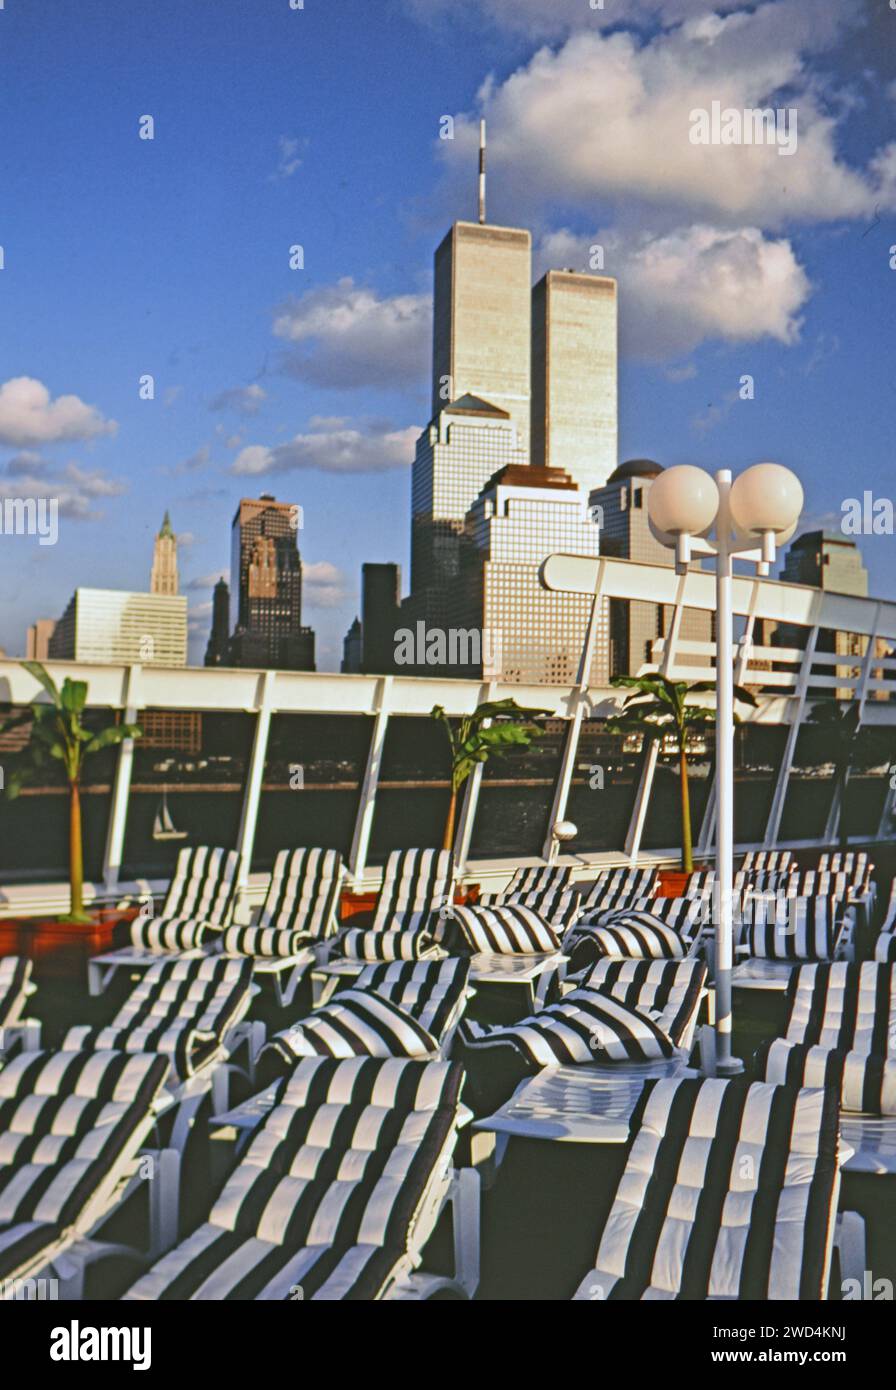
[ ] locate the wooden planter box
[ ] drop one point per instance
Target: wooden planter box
(60, 950)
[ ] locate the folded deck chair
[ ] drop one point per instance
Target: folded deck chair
(767, 860)
(670, 930)
(417, 883)
(15, 989)
(620, 1011)
(200, 897)
(841, 1031)
(729, 1191)
(399, 1009)
(182, 1009)
(536, 880)
(70, 1127)
(298, 916)
(337, 1193)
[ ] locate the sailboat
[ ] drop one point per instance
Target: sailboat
(163, 827)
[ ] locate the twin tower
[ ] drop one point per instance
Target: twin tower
(547, 356)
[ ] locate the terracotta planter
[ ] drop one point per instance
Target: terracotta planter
(351, 904)
(60, 950)
(673, 882)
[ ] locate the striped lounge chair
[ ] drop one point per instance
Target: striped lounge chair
(542, 889)
(841, 1032)
(183, 1009)
(397, 1009)
(336, 1195)
(778, 933)
(297, 919)
(616, 889)
(729, 1192)
(71, 1124)
(417, 884)
(201, 897)
(619, 1011)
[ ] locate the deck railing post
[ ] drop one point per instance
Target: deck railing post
(367, 801)
(121, 786)
(252, 797)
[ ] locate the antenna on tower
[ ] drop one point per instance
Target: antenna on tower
(481, 171)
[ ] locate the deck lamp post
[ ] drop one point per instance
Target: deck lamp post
(748, 518)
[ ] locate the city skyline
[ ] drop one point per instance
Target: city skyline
(171, 258)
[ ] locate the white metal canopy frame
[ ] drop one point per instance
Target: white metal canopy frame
(698, 515)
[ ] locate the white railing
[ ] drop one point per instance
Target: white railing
(265, 693)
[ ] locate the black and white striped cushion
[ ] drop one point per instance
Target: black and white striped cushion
(864, 1082)
(396, 1010)
(729, 1191)
(417, 883)
(355, 1023)
(619, 887)
(325, 1199)
(843, 1005)
(548, 879)
(201, 894)
(203, 885)
(181, 1008)
(791, 928)
(303, 894)
(509, 930)
(68, 1123)
(639, 1013)
(431, 991)
(263, 941)
(558, 906)
(632, 935)
(168, 934)
(15, 974)
(406, 943)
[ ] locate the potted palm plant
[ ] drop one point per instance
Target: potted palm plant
(659, 709)
(493, 728)
(57, 737)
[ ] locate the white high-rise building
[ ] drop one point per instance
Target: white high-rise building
(535, 636)
(112, 625)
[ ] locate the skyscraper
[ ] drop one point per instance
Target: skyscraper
(114, 625)
(380, 607)
(625, 533)
(266, 588)
(574, 398)
(216, 651)
(482, 320)
(827, 560)
(164, 561)
(460, 450)
(527, 633)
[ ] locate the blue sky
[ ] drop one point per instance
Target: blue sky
(273, 126)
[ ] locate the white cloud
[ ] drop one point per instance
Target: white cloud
(346, 450)
(196, 460)
(607, 116)
(289, 158)
(345, 335)
(550, 18)
(29, 416)
(75, 489)
(323, 585)
(205, 581)
(695, 284)
(246, 400)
